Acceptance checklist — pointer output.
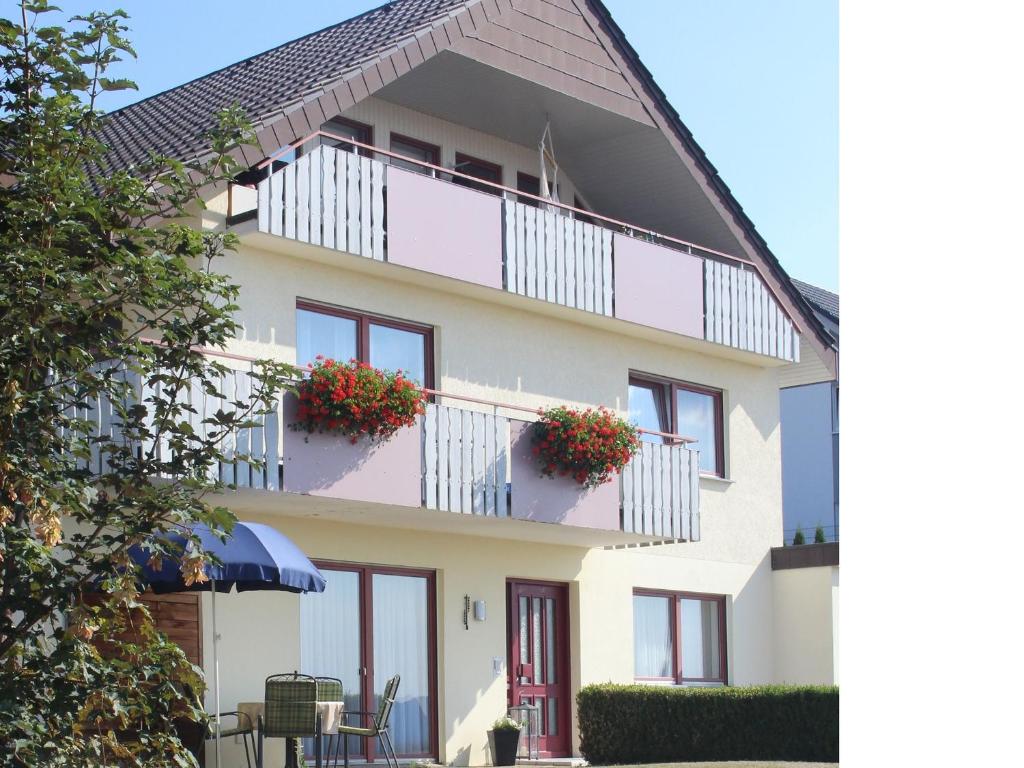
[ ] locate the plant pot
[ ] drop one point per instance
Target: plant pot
(504, 746)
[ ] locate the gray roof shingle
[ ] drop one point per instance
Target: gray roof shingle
(175, 121)
(822, 300)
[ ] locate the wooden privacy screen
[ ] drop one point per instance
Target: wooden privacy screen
(177, 616)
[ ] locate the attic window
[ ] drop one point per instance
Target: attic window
(478, 169)
(349, 129)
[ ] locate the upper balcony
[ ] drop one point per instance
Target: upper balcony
(414, 214)
(466, 467)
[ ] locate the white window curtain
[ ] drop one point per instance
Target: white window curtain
(329, 632)
(701, 656)
(652, 636)
(400, 646)
(318, 333)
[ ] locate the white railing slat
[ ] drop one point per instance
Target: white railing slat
(479, 457)
(365, 209)
(328, 196)
(302, 199)
(353, 240)
(430, 457)
(607, 282)
(315, 192)
(276, 203)
(443, 437)
(289, 201)
(530, 219)
(263, 205)
(467, 462)
(377, 182)
(550, 257)
(509, 255)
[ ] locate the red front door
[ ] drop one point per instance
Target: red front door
(538, 663)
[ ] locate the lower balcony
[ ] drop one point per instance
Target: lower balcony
(457, 470)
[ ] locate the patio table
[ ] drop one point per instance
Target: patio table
(332, 716)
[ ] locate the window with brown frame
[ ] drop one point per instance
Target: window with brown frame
(577, 203)
(681, 408)
(478, 169)
(344, 334)
(371, 623)
(529, 184)
(416, 149)
(679, 637)
(349, 129)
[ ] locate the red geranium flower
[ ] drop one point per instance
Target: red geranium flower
(356, 399)
(592, 445)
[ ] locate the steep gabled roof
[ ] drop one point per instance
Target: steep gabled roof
(265, 85)
(289, 91)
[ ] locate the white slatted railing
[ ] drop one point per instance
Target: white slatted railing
(552, 257)
(740, 312)
(661, 492)
(327, 197)
(465, 461)
(259, 442)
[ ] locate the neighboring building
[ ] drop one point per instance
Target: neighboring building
(410, 234)
(809, 397)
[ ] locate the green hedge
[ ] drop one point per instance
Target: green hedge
(658, 724)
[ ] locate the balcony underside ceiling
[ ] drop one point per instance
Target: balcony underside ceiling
(248, 502)
(625, 168)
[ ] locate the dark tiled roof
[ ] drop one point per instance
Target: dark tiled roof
(173, 122)
(822, 300)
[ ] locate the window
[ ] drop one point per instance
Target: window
(370, 624)
(350, 129)
(683, 409)
(530, 185)
(382, 342)
(479, 169)
(418, 150)
(577, 203)
(679, 637)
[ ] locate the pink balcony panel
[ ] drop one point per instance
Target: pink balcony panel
(329, 465)
(557, 499)
(659, 287)
(443, 228)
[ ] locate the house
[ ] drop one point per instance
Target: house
(396, 211)
(809, 394)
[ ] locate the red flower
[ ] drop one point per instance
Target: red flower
(354, 399)
(591, 445)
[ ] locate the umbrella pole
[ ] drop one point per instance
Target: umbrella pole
(216, 670)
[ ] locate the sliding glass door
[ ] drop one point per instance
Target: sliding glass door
(367, 626)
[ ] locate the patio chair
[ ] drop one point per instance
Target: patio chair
(243, 727)
(290, 712)
(378, 726)
(330, 689)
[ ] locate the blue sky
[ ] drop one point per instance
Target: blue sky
(756, 83)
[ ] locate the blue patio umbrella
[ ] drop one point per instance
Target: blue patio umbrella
(254, 557)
